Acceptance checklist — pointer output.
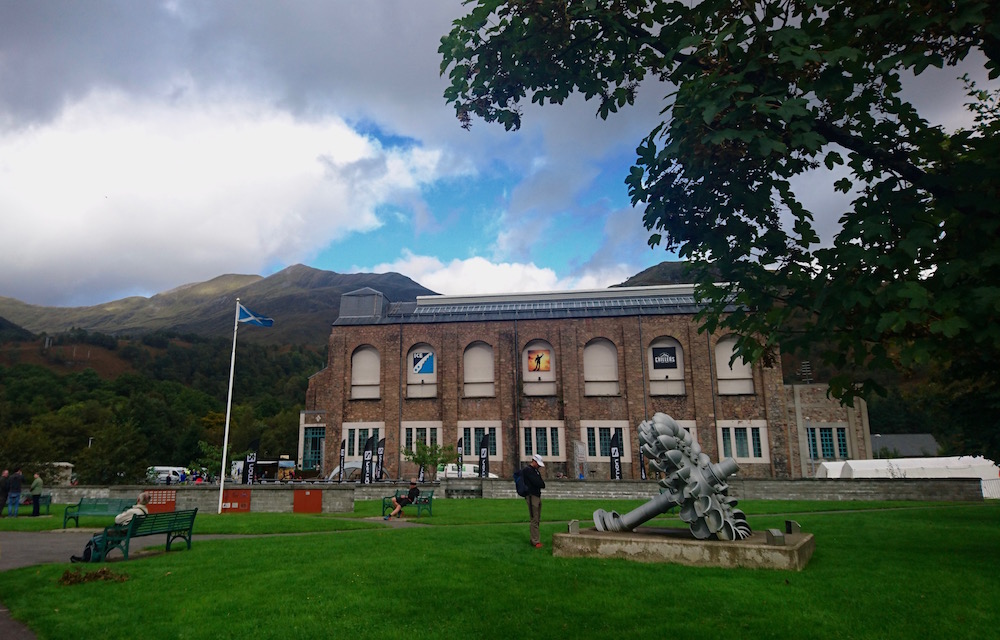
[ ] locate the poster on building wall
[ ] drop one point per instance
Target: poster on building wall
(460, 452)
(423, 362)
(539, 360)
(484, 456)
(343, 453)
(664, 357)
(616, 457)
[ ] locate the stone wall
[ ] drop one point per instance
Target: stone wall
(340, 498)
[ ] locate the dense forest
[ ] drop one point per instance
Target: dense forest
(165, 405)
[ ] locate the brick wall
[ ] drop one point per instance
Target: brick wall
(330, 390)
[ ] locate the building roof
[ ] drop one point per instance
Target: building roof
(546, 305)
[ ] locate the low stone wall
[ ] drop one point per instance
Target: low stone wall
(339, 498)
(264, 498)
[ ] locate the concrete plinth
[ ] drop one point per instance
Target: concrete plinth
(678, 546)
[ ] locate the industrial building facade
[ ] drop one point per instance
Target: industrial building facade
(557, 374)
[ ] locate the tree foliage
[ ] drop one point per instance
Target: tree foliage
(429, 456)
(169, 411)
(759, 95)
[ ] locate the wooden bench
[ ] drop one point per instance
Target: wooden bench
(45, 500)
(95, 507)
(425, 501)
(172, 524)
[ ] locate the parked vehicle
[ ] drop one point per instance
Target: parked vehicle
(468, 471)
(159, 475)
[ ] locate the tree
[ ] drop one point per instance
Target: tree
(429, 456)
(759, 94)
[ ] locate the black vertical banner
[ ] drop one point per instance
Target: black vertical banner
(343, 453)
(484, 456)
(460, 452)
(642, 464)
(420, 474)
(616, 457)
(248, 467)
(368, 464)
(380, 459)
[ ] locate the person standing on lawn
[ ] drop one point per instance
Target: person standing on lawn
(533, 481)
(14, 493)
(3, 491)
(36, 494)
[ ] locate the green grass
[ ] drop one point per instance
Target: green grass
(898, 570)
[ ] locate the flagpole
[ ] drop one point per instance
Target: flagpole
(229, 406)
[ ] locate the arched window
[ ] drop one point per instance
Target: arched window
(538, 366)
(600, 368)
(478, 367)
(366, 371)
(665, 364)
(734, 379)
(421, 372)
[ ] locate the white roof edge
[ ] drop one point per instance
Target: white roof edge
(575, 294)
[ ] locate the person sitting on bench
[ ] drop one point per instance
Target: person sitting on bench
(402, 501)
(121, 521)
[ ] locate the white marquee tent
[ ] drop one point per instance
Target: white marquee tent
(953, 467)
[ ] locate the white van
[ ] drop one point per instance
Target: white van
(468, 471)
(160, 475)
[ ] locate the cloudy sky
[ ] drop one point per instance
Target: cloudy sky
(145, 145)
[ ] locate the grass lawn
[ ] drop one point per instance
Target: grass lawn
(899, 570)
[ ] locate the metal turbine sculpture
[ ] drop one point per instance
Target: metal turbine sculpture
(691, 481)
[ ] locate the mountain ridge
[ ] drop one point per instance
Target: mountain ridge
(303, 301)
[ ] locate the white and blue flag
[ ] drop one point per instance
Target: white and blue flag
(249, 317)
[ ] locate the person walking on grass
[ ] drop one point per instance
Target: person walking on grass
(409, 498)
(533, 481)
(36, 494)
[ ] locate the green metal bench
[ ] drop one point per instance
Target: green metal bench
(172, 524)
(95, 507)
(424, 502)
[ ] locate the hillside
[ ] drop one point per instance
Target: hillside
(303, 301)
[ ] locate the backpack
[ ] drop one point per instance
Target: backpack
(519, 486)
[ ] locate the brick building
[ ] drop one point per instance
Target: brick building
(554, 373)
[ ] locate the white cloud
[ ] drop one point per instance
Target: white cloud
(478, 275)
(133, 193)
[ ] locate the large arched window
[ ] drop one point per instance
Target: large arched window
(735, 378)
(600, 368)
(538, 366)
(478, 368)
(665, 364)
(366, 371)
(421, 371)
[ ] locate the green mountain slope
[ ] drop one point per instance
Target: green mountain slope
(303, 301)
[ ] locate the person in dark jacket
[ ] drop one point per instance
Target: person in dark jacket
(14, 493)
(409, 498)
(533, 481)
(3, 491)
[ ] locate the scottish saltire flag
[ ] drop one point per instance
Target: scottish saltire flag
(249, 317)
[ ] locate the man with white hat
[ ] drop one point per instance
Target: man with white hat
(533, 481)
